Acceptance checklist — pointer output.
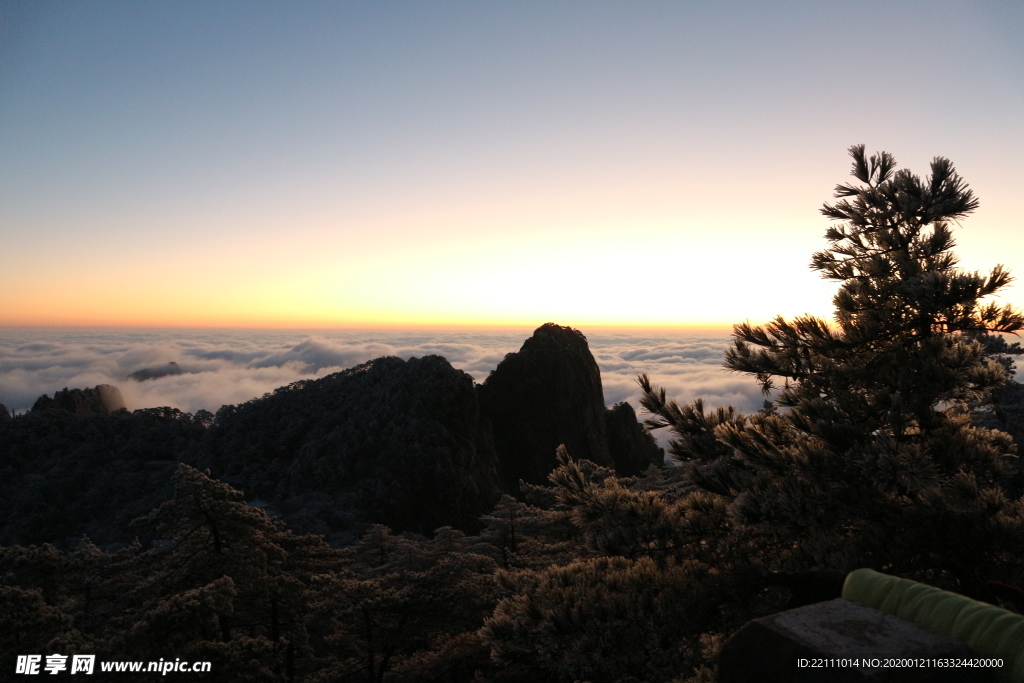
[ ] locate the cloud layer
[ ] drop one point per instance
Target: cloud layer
(230, 367)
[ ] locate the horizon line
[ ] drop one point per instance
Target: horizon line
(408, 327)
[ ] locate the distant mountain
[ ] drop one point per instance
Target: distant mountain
(158, 371)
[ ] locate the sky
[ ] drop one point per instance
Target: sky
(472, 164)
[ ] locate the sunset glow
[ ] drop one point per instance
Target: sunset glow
(456, 164)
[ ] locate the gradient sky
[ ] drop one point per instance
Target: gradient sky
(344, 164)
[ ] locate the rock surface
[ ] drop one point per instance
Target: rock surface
(546, 394)
(632, 447)
(549, 394)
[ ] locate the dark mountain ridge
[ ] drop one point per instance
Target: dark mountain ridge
(413, 444)
(391, 441)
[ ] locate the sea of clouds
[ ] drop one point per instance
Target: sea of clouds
(233, 366)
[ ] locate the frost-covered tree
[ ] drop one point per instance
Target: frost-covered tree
(869, 455)
(902, 348)
(224, 582)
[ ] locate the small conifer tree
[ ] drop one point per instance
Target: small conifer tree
(869, 455)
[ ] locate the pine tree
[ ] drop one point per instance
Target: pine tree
(224, 583)
(603, 619)
(406, 609)
(868, 455)
(905, 314)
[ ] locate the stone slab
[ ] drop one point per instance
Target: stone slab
(840, 641)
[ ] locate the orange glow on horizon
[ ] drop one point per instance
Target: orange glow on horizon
(380, 324)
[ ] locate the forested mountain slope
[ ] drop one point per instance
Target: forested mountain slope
(410, 444)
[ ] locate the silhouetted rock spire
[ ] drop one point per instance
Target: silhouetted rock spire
(546, 394)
